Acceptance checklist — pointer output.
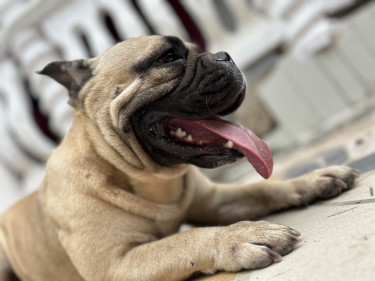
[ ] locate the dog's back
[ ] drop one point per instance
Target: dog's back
(23, 239)
(6, 271)
(11, 232)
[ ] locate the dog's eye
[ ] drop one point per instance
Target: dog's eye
(169, 57)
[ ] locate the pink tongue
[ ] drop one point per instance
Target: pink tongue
(255, 150)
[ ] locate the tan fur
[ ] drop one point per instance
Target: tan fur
(106, 211)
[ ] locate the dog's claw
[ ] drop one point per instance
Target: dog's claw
(303, 201)
(275, 256)
(294, 232)
(356, 173)
(340, 183)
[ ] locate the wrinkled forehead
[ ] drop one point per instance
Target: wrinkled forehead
(154, 43)
(134, 50)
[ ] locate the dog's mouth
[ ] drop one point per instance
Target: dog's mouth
(208, 142)
(220, 135)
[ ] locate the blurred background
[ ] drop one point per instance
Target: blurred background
(310, 66)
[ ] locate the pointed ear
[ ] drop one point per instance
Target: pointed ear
(71, 74)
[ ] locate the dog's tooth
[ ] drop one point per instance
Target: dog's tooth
(189, 138)
(180, 133)
(172, 133)
(228, 144)
(200, 142)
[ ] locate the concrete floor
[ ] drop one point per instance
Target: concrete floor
(337, 242)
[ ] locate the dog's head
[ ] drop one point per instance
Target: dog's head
(168, 94)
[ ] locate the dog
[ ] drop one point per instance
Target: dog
(125, 177)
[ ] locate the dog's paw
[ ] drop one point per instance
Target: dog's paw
(251, 245)
(322, 184)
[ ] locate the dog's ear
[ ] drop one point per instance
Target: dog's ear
(71, 74)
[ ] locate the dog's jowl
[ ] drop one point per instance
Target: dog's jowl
(124, 178)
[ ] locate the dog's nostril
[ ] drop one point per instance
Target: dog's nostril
(222, 56)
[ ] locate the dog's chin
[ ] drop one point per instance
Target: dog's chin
(171, 139)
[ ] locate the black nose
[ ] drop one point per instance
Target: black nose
(222, 56)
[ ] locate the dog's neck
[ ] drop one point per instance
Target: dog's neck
(160, 184)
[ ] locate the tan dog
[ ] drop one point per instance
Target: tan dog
(118, 187)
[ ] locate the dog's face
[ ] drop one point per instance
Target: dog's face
(206, 85)
(169, 94)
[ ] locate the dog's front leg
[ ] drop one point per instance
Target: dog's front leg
(245, 245)
(225, 204)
